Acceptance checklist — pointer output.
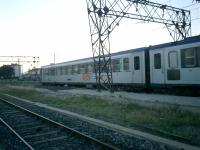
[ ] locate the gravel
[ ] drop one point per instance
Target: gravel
(64, 139)
(106, 135)
(9, 141)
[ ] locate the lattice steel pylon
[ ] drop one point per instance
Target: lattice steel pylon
(105, 15)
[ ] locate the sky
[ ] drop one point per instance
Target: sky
(46, 28)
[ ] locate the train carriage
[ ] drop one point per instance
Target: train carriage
(175, 64)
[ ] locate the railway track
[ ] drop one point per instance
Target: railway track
(39, 132)
(117, 140)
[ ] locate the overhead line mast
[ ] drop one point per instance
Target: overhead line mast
(105, 15)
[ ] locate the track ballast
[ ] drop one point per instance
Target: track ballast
(39, 132)
(106, 135)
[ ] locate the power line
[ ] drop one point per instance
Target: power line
(195, 19)
(168, 1)
(189, 5)
(101, 25)
(194, 8)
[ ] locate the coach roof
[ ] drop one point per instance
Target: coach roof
(188, 40)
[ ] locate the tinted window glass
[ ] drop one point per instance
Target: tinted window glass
(157, 61)
(198, 56)
(82, 68)
(173, 59)
(137, 63)
(69, 69)
(188, 58)
(126, 64)
(116, 65)
(66, 70)
(52, 71)
(61, 72)
(58, 70)
(90, 68)
(45, 71)
(76, 69)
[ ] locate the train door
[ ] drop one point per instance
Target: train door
(157, 67)
(172, 66)
(138, 59)
(182, 65)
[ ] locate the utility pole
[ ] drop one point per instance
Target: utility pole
(105, 15)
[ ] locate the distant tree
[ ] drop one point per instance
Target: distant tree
(6, 72)
(197, 1)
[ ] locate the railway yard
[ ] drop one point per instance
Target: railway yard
(39, 117)
(139, 90)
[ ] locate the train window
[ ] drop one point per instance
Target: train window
(126, 64)
(57, 70)
(86, 68)
(66, 70)
(46, 72)
(137, 63)
(70, 70)
(74, 69)
(103, 67)
(157, 61)
(173, 59)
(52, 71)
(60, 71)
(63, 70)
(90, 68)
(188, 58)
(82, 68)
(116, 65)
(78, 69)
(198, 56)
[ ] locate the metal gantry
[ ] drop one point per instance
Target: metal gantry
(105, 15)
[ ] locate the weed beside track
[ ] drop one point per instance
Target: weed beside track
(167, 118)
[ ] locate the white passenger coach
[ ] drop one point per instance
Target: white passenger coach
(175, 64)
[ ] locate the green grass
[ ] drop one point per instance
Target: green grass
(167, 118)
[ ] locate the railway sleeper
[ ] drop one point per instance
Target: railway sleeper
(37, 128)
(44, 136)
(30, 124)
(5, 112)
(18, 116)
(33, 130)
(68, 143)
(16, 122)
(50, 140)
(41, 134)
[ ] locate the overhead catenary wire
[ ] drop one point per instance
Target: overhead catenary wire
(169, 1)
(189, 5)
(195, 19)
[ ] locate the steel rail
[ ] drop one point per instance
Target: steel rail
(12, 130)
(105, 145)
